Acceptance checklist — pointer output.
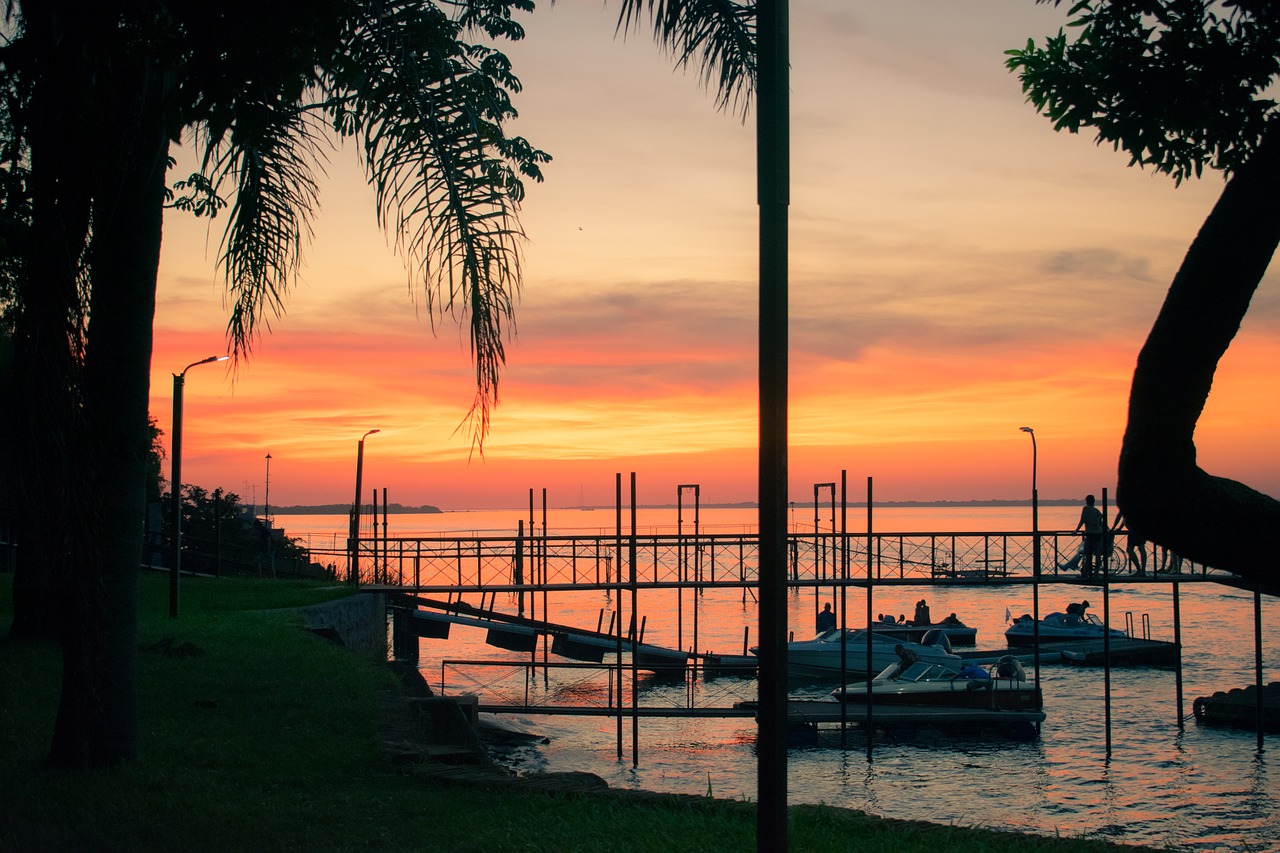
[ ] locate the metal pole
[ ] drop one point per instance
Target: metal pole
(870, 725)
(175, 485)
(1106, 635)
(617, 503)
(773, 183)
(266, 500)
(1257, 664)
(353, 535)
(635, 638)
(175, 496)
(844, 601)
(1035, 553)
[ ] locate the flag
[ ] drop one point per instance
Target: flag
(1007, 614)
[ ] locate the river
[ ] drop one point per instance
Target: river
(1165, 781)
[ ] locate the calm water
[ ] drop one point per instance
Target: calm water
(1187, 786)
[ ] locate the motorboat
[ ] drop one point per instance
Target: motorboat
(1003, 686)
(958, 633)
(821, 656)
(1059, 628)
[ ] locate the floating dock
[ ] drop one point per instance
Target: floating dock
(817, 711)
(1131, 651)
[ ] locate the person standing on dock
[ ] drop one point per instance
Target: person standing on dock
(1135, 547)
(1091, 521)
(826, 619)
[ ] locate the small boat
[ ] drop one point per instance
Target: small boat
(958, 633)
(1002, 687)
(821, 656)
(1059, 628)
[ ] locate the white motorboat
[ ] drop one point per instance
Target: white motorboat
(821, 656)
(1059, 628)
(1003, 686)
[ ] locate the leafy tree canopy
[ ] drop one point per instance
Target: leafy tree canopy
(1181, 85)
(1177, 84)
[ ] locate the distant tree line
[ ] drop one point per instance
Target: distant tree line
(222, 536)
(342, 509)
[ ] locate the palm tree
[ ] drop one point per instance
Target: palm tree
(99, 94)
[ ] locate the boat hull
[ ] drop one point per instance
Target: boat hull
(958, 635)
(997, 694)
(1059, 628)
(821, 657)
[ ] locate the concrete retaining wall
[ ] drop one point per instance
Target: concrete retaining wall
(359, 622)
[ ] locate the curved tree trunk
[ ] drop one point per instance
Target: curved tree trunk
(1161, 490)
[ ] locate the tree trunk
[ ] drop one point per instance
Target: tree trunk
(48, 330)
(1161, 490)
(97, 722)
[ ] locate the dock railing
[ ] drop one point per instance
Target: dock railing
(716, 559)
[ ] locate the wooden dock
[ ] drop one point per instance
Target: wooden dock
(799, 713)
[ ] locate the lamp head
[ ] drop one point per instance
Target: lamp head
(1027, 429)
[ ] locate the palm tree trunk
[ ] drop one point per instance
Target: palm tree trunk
(1161, 490)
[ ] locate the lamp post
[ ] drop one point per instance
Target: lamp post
(1035, 506)
(266, 500)
(1035, 553)
(175, 484)
(353, 535)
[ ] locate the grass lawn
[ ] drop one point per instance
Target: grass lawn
(265, 737)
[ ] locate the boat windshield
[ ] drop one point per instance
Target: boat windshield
(921, 671)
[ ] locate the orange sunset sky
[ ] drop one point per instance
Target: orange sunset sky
(958, 270)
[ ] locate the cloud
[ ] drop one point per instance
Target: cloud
(1098, 263)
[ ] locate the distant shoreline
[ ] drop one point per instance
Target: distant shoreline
(345, 509)
(427, 509)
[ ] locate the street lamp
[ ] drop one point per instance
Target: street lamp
(1035, 554)
(353, 535)
(266, 500)
(1035, 506)
(175, 484)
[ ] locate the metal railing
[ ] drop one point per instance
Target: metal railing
(721, 559)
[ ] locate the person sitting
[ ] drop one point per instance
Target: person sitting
(972, 670)
(906, 657)
(902, 618)
(922, 616)
(1010, 667)
(952, 620)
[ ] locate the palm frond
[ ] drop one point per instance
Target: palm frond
(429, 110)
(270, 159)
(718, 37)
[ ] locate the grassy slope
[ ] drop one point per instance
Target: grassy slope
(267, 739)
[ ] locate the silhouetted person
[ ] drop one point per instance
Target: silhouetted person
(922, 616)
(1091, 521)
(1135, 547)
(826, 619)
